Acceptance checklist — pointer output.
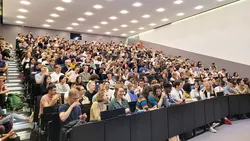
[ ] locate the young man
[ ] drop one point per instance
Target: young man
(40, 76)
(175, 93)
(55, 75)
(71, 110)
(50, 99)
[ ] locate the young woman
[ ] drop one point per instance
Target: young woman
(62, 86)
(119, 102)
(79, 81)
(142, 102)
(131, 96)
(98, 106)
(195, 92)
(158, 98)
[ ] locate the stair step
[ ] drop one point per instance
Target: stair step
(14, 74)
(10, 66)
(17, 92)
(24, 135)
(14, 80)
(16, 89)
(13, 69)
(21, 125)
(13, 64)
(14, 84)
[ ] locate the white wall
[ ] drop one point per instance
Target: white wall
(223, 33)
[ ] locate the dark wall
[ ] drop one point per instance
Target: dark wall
(242, 69)
(10, 32)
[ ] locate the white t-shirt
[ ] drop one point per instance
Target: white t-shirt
(176, 95)
(55, 76)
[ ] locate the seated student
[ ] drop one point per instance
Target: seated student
(91, 90)
(143, 102)
(51, 66)
(39, 77)
(119, 102)
(195, 92)
(175, 93)
(71, 110)
(207, 91)
(36, 68)
(242, 88)
(98, 106)
(186, 94)
(73, 74)
(131, 96)
(3, 66)
(44, 86)
(158, 98)
(79, 81)
(55, 75)
(62, 86)
(101, 88)
(230, 88)
(220, 87)
(50, 99)
(82, 98)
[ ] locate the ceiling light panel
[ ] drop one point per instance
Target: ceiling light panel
(46, 25)
(81, 19)
(59, 8)
(134, 21)
(137, 4)
(165, 19)
(178, 2)
(88, 13)
(115, 29)
(113, 18)
(146, 16)
(124, 25)
(50, 21)
(104, 22)
(25, 2)
(96, 27)
(180, 14)
(54, 15)
(20, 17)
(199, 7)
(97, 6)
(69, 28)
(19, 22)
(160, 9)
(22, 10)
(75, 24)
(67, 1)
(124, 12)
(89, 30)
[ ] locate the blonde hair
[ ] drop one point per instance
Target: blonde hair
(117, 87)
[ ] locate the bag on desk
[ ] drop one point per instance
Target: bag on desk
(65, 133)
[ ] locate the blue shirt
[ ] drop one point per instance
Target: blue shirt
(154, 102)
(74, 115)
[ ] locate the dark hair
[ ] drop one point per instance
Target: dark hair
(187, 88)
(51, 87)
(167, 85)
(145, 91)
(45, 80)
(61, 77)
(77, 80)
(238, 80)
(176, 83)
(155, 87)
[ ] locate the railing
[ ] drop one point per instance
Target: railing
(159, 125)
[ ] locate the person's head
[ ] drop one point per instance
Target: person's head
(52, 62)
(240, 82)
(62, 79)
(119, 91)
(157, 90)
(147, 90)
(52, 89)
(131, 87)
(67, 62)
(43, 69)
(141, 83)
(106, 85)
(102, 97)
(73, 85)
(196, 84)
(187, 88)
(73, 96)
(58, 68)
(177, 85)
(167, 88)
(1, 79)
(78, 79)
(85, 69)
(109, 75)
(91, 85)
(235, 74)
(77, 69)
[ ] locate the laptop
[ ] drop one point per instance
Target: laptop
(220, 94)
(112, 113)
(132, 106)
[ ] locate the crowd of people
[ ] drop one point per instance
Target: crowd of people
(109, 75)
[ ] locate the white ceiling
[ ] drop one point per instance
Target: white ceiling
(40, 10)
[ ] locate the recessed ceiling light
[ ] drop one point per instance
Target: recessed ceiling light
(137, 4)
(124, 12)
(134, 21)
(50, 21)
(46, 25)
(152, 24)
(220, 0)
(69, 28)
(115, 29)
(104, 22)
(107, 32)
(124, 25)
(54, 15)
(67, 1)
(60, 8)
(75, 24)
(113, 18)
(141, 28)
(124, 34)
(90, 30)
(132, 31)
(20, 17)
(180, 14)
(164, 20)
(146, 16)
(160, 9)
(178, 2)
(25, 2)
(198, 7)
(81, 19)
(98, 6)
(23, 10)
(96, 27)
(19, 22)
(88, 13)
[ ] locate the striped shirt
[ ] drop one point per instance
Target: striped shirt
(141, 104)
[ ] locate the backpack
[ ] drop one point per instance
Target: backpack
(65, 132)
(15, 101)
